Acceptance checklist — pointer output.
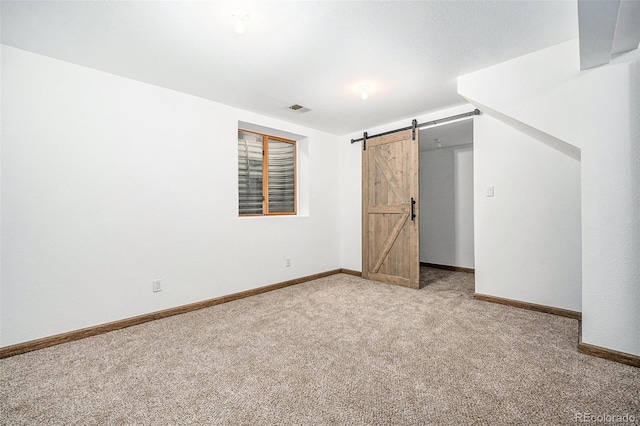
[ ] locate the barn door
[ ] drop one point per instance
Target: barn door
(390, 227)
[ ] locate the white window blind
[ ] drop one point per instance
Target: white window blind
(266, 174)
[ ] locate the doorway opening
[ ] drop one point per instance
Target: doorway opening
(446, 200)
(391, 231)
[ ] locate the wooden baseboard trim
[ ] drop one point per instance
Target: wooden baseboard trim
(530, 306)
(585, 348)
(70, 336)
(448, 268)
(351, 272)
(610, 354)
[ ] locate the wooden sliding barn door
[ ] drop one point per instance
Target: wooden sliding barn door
(390, 227)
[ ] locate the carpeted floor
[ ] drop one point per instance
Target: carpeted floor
(339, 350)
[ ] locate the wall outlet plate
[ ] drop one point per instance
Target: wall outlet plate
(157, 286)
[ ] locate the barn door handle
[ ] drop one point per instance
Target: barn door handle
(413, 209)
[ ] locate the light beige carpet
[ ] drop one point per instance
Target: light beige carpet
(339, 350)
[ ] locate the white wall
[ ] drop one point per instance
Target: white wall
(591, 115)
(527, 243)
(446, 206)
(109, 183)
(1, 137)
(350, 166)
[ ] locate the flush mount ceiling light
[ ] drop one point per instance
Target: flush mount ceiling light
(240, 17)
(364, 90)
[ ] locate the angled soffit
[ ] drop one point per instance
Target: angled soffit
(607, 28)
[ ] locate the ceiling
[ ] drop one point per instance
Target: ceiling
(313, 53)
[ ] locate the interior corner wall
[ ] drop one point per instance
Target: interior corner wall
(446, 206)
(596, 112)
(109, 183)
(350, 165)
(528, 235)
(611, 213)
(1, 138)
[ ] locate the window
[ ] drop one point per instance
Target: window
(266, 174)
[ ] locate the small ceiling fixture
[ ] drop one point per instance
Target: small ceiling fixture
(364, 91)
(240, 16)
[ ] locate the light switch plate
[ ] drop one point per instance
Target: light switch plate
(489, 191)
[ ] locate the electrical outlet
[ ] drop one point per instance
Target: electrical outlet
(287, 261)
(157, 286)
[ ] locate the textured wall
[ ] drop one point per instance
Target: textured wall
(592, 116)
(528, 243)
(108, 184)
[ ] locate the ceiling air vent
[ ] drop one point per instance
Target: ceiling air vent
(299, 108)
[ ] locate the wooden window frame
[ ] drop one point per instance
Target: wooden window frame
(265, 175)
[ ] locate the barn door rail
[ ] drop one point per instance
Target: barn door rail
(415, 125)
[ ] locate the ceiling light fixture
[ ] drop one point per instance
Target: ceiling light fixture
(364, 91)
(240, 16)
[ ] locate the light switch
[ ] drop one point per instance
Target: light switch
(489, 191)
